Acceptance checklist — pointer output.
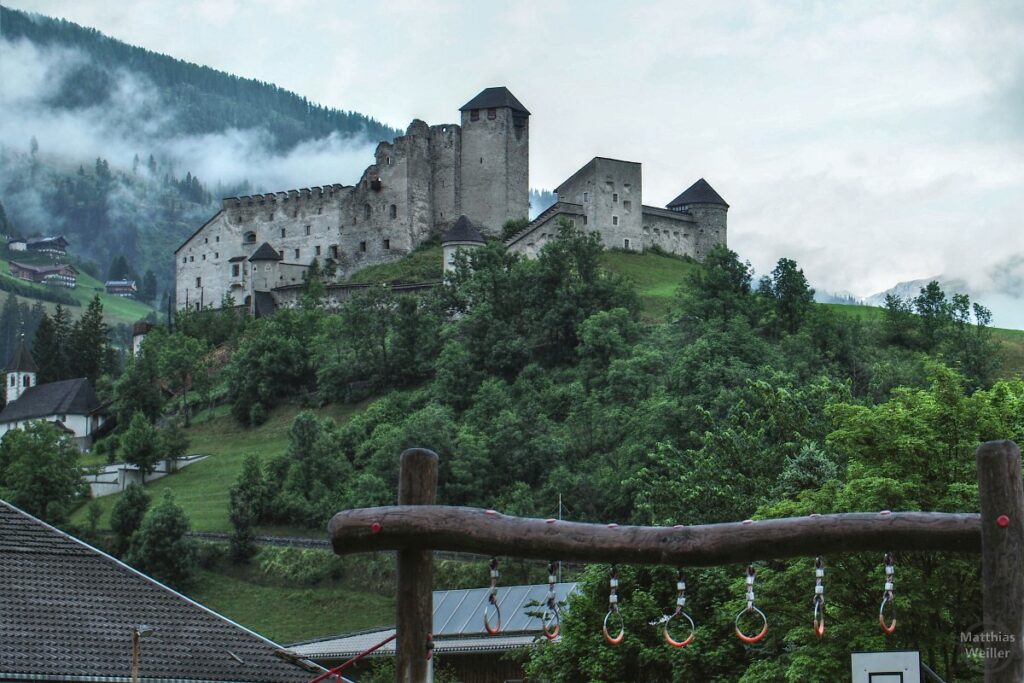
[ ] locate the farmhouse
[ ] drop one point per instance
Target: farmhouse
(56, 246)
(61, 274)
(123, 288)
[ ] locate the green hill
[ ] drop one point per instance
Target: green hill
(116, 309)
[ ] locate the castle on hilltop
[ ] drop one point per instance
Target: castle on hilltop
(460, 181)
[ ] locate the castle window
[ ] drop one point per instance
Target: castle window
(627, 205)
(367, 211)
(14, 381)
(282, 232)
(334, 251)
(216, 254)
(199, 282)
(586, 197)
(250, 238)
(217, 238)
(584, 220)
(394, 211)
(318, 250)
(206, 240)
(184, 259)
(191, 259)
(615, 220)
(319, 210)
(362, 246)
(296, 253)
(234, 270)
(267, 267)
(204, 257)
(615, 197)
(270, 216)
(474, 114)
(307, 230)
(492, 113)
(625, 243)
(27, 381)
(389, 161)
(387, 244)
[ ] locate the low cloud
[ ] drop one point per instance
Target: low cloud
(135, 119)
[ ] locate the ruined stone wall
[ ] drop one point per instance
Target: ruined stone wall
(670, 231)
(389, 212)
(446, 161)
(495, 168)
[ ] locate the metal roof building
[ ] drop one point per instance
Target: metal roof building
(459, 635)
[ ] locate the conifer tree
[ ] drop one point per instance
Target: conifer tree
(90, 353)
(47, 352)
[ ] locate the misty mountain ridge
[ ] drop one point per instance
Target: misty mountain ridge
(126, 152)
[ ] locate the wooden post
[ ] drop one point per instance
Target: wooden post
(415, 609)
(1002, 556)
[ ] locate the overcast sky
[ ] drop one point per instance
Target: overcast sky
(871, 142)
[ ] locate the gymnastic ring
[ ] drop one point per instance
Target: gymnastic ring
(819, 617)
(888, 629)
(622, 628)
(487, 622)
(689, 638)
(751, 640)
(550, 617)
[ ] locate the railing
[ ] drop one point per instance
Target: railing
(416, 526)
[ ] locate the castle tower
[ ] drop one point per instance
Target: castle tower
(21, 372)
(709, 210)
(463, 235)
(495, 164)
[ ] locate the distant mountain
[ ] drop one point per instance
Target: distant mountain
(1000, 289)
(126, 152)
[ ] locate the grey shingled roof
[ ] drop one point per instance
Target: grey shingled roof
(265, 253)
(700, 192)
(67, 612)
(495, 98)
(463, 231)
(21, 360)
(67, 397)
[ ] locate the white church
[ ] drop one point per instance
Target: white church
(70, 404)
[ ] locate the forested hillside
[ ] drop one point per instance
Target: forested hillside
(126, 152)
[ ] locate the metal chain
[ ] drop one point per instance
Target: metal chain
(819, 597)
(679, 615)
(888, 596)
(751, 640)
(550, 621)
(493, 600)
(613, 609)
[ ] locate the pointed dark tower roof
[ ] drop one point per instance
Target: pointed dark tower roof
(495, 98)
(463, 231)
(21, 360)
(265, 253)
(700, 192)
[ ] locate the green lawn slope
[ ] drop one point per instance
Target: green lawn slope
(116, 309)
(289, 614)
(202, 489)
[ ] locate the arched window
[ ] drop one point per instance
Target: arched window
(250, 238)
(27, 382)
(367, 211)
(394, 211)
(14, 381)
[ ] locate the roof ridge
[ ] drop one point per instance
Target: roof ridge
(124, 566)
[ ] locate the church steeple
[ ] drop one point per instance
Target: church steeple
(21, 372)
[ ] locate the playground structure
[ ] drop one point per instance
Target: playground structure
(417, 526)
